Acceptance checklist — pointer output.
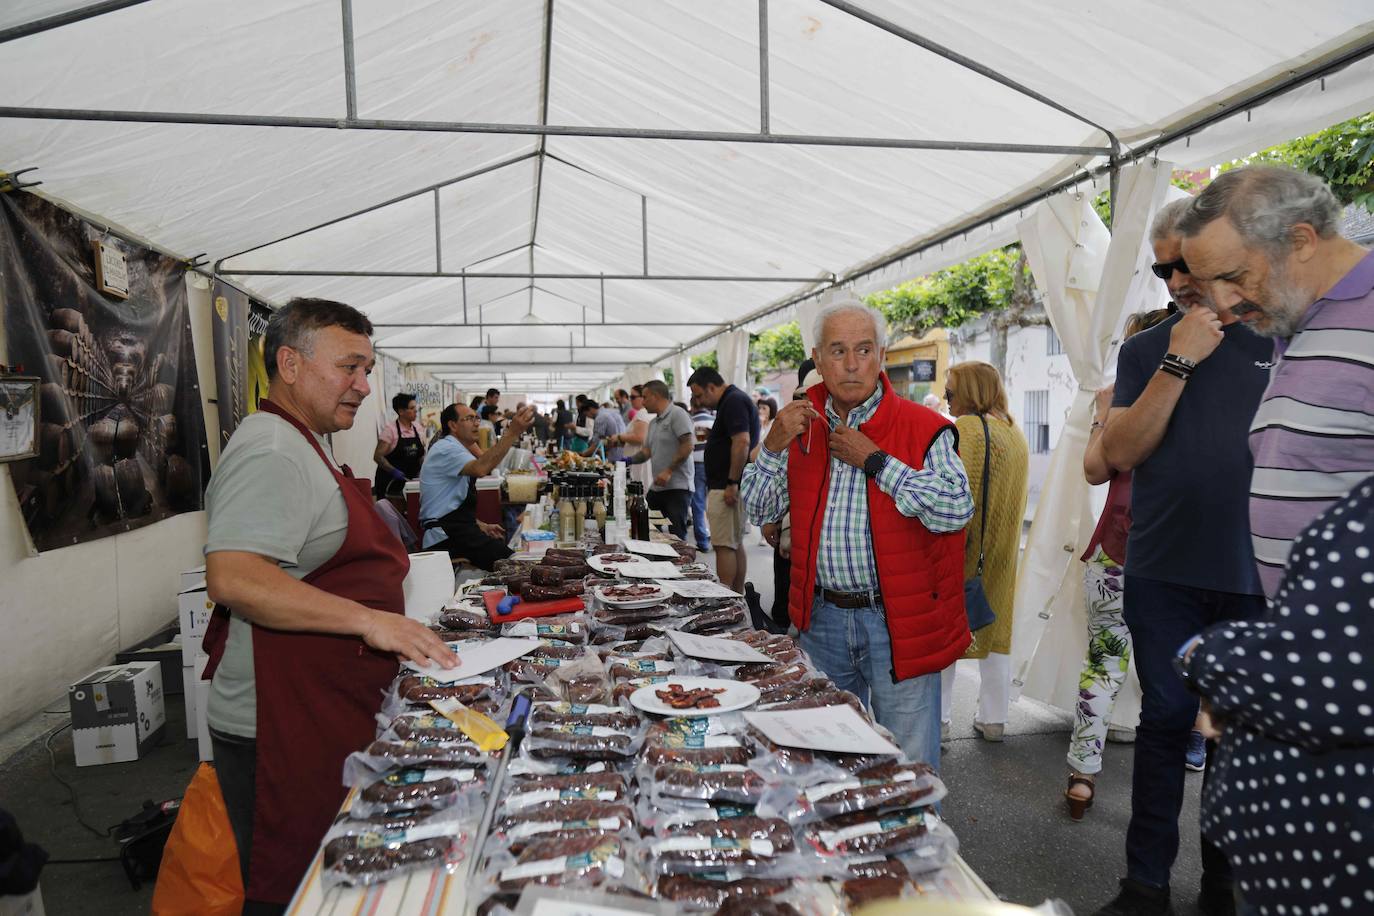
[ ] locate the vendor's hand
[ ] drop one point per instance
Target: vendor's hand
(1209, 725)
(492, 531)
(771, 532)
(732, 494)
(1103, 401)
(793, 420)
(409, 639)
(851, 446)
(397, 474)
(1197, 334)
(662, 477)
(522, 421)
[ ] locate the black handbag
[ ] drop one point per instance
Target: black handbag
(980, 612)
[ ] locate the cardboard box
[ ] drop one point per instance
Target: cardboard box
(117, 713)
(190, 578)
(194, 607)
(168, 655)
(28, 905)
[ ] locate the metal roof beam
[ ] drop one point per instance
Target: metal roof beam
(58, 20)
(515, 275)
(549, 130)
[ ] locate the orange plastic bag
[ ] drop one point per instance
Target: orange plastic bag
(199, 875)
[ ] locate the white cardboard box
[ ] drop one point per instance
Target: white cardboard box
(190, 578)
(116, 712)
(194, 607)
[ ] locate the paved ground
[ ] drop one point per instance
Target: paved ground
(1005, 804)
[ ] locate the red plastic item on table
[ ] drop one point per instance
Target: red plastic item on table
(526, 609)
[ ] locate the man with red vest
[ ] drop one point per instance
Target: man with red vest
(878, 499)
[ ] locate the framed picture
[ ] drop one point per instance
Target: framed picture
(18, 417)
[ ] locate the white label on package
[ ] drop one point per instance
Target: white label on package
(534, 828)
(525, 799)
(697, 843)
(650, 548)
(615, 867)
(825, 790)
(835, 729)
(481, 658)
(833, 838)
(700, 588)
(715, 648)
(649, 570)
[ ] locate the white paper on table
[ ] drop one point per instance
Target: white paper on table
(716, 648)
(481, 658)
(699, 588)
(650, 548)
(649, 570)
(836, 729)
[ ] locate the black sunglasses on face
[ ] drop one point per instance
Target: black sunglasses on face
(1165, 271)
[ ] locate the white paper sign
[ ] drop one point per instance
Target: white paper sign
(836, 729)
(649, 570)
(482, 657)
(699, 588)
(716, 648)
(650, 548)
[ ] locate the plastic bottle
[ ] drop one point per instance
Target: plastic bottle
(568, 520)
(599, 507)
(579, 512)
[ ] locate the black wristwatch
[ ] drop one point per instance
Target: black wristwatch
(874, 464)
(731, 483)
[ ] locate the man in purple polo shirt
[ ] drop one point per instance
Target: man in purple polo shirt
(1265, 242)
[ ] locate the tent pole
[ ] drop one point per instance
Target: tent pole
(391, 347)
(438, 236)
(350, 75)
(1114, 181)
(546, 324)
(763, 66)
(644, 230)
(545, 57)
(60, 19)
(603, 298)
(516, 275)
(552, 130)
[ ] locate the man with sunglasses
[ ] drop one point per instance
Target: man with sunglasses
(1185, 392)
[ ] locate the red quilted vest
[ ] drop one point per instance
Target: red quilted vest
(920, 573)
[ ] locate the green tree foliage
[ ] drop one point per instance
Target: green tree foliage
(951, 297)
(705, 359)
(1341, 155)
(777, 348)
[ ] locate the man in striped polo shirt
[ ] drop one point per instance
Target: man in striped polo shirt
(1265, 241)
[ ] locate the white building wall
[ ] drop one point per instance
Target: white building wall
(1030, 367)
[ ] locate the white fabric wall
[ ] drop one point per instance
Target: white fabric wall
(68, 611)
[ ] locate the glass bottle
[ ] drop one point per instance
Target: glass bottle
(639, 512)
(567, 515)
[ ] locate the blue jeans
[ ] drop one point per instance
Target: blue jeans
(1162, 617)
(854, 650)
(703, 536)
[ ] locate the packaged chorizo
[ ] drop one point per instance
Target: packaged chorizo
(361, 767)
(419, 689)
(589, 861)
(621, 617)
(561, 811)
(534, 593)
(594, 714)
(625, 669)
(359, 854)
(570, 628)
(576, 742)
(464, 620)
(542, 792)
(558, 575)
(752, 844)
(714, 621)
(795, 690)
(866, 833)
(727, 782)
(711, 893)
(417, 787)
(886, 785)
(565, 558)
(580, 682)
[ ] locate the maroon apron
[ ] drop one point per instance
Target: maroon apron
(317, 694)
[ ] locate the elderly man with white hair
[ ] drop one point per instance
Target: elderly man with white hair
(878, 500)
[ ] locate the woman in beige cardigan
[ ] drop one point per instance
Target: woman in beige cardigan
(975, 394)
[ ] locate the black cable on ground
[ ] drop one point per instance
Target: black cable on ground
(81, 861)
(71, 790)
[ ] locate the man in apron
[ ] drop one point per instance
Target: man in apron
(311, 617)
(400, 447)
(448, 488)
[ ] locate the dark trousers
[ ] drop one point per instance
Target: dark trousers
(676, 506)
(782, 585)
(1162, 617)
(236, 767)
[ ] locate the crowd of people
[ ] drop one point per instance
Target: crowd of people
(1231, 563)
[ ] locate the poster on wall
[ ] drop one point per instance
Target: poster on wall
(240, 324)
(121, 438)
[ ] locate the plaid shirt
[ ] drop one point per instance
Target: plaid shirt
(937, 495)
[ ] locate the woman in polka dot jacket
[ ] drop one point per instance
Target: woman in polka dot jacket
(1291, 794)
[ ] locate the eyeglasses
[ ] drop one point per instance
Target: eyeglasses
(1165, 271)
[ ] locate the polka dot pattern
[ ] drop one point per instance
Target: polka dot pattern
(1290, 796)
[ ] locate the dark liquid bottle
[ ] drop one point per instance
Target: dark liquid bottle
(639, 512)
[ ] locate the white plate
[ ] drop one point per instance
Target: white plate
(660, 594)
(611, 569)
(737, 695)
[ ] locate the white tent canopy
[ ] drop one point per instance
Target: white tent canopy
(468, 172)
